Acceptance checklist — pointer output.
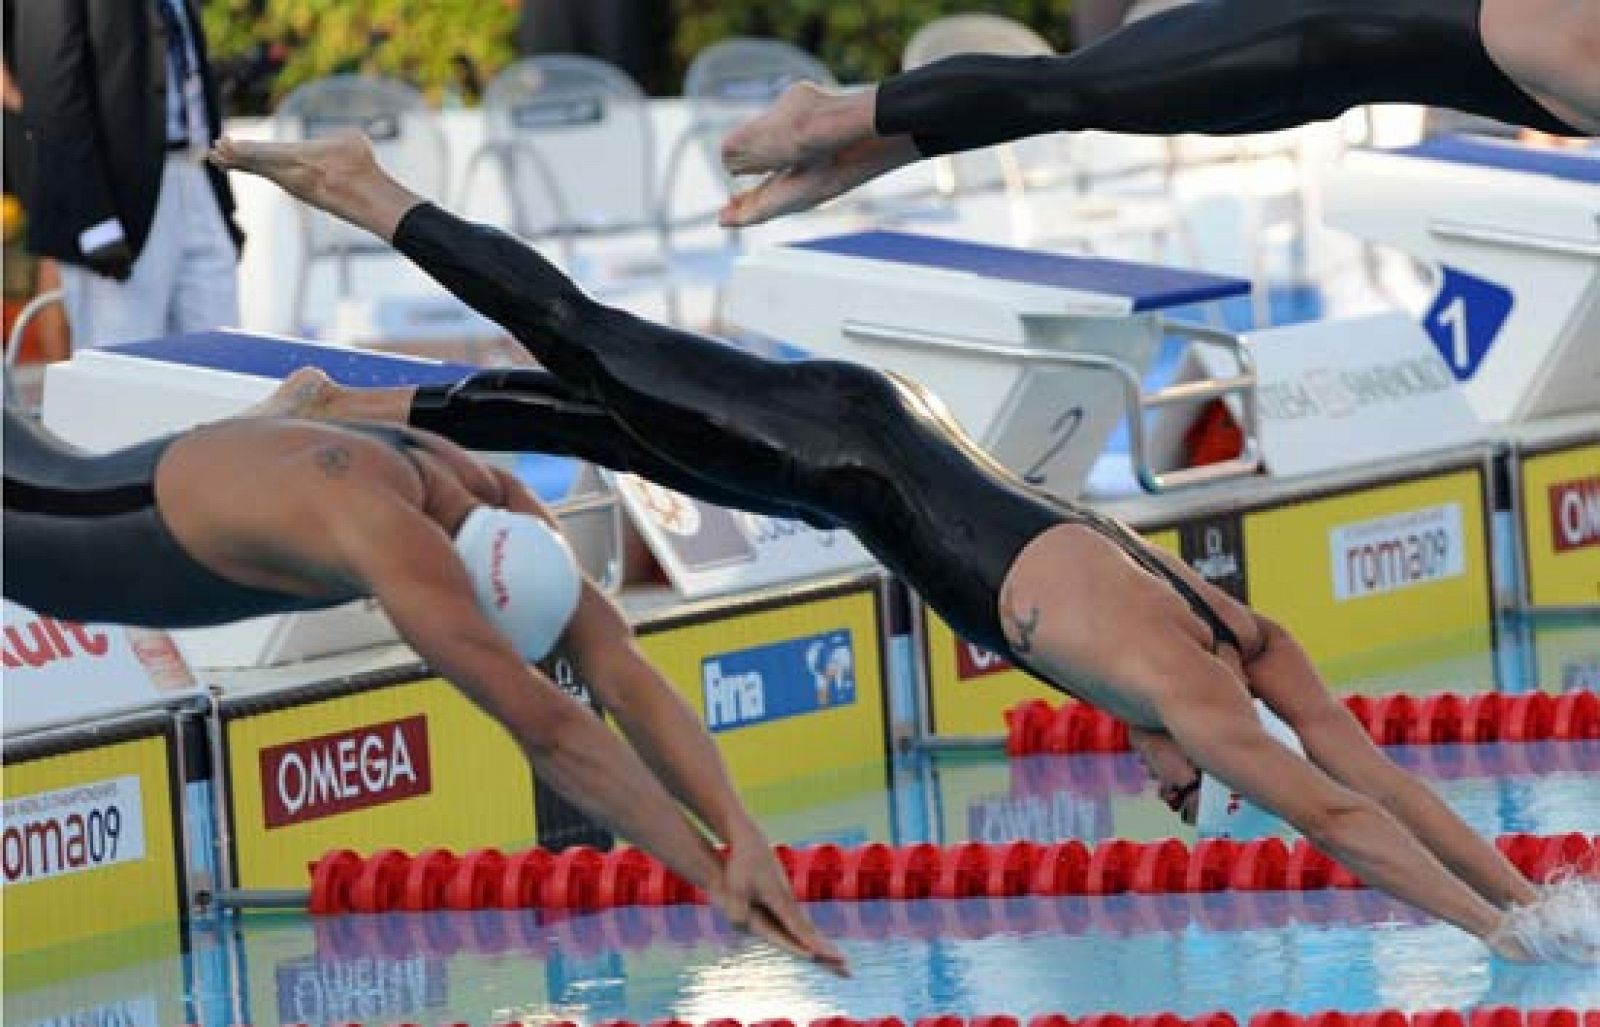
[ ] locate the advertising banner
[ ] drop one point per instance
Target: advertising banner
(58, 671)
(707, 550)
(1379, 573)
(1561, 526)
(792, 689)
(410, 765)
(91, 845)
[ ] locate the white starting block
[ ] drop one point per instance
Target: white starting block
(1516, 234)
(118, 395)
(1036, 355)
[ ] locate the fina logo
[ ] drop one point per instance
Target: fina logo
(779, 680)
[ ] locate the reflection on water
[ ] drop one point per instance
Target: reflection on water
(1135, 954)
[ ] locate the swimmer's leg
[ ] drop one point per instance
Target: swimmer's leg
(508, 411)
(1217, 66)
(839, 442)
(520, 411)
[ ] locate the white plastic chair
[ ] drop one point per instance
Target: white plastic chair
(730, 82)
(406, 138)
(572, 139)
(1028, 166)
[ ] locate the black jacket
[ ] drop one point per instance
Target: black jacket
(93, 75)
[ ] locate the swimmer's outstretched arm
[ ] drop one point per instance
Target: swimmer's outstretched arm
(1284, 677)
(673, 742)
(409, 564)
(1281, 674)
(1214, 722)
(1223, 67)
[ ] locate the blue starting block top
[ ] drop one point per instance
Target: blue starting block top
(1147, 286)
(264, 356)
(1569, 166)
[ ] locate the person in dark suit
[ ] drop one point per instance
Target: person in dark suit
(121, 106)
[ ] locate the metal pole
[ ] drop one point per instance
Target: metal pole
(961, 743)
(262, 898)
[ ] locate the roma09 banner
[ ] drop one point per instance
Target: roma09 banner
(90, 845)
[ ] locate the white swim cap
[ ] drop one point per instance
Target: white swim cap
(523, 575)
(1224, 813)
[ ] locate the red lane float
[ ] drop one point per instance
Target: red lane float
(1036, 727)
(583, 878)
(1483, 1016)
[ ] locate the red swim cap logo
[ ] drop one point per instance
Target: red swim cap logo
(497, 569)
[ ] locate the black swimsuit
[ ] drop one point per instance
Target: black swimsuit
(85, 540)
(827, 441)
(1222, 67)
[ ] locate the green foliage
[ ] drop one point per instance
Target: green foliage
(415, 40)
(860, 40)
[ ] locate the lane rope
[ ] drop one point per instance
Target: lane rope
(584, 878)
(1038, 727)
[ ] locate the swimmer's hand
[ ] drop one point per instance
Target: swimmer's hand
(753, 893)
(1561, 926)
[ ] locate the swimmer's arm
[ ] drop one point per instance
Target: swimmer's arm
(1285, 679)
(1212, 718)
(651, 713)
(672, 741)
(408, 563)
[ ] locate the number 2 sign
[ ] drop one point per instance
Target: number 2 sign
(1466, 317)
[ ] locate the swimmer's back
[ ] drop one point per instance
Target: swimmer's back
(262, 500)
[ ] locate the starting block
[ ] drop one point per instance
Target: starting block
(118, 395)
(1036, 355)
(1515, 235)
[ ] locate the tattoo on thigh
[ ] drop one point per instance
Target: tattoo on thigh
(1026, 624)
(334, 460)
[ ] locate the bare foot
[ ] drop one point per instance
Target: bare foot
(305, 393)
(806, 122)
(339, 175)
(804, 186)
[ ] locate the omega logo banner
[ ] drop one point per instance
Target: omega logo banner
(1560, 503)
(402, 764)
(357, 769)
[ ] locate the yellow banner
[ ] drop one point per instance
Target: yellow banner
(970, 687)
(1369, 579)
(90, 847)
(1561, 526)
(410, 766)
(791, 692)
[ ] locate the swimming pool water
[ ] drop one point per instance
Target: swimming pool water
(1243, 953)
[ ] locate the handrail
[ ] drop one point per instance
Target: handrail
(1457, 231)
(25, 316)
(1135, 400)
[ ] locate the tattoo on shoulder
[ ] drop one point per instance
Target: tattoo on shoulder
(334, 460)
(1026, 624)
